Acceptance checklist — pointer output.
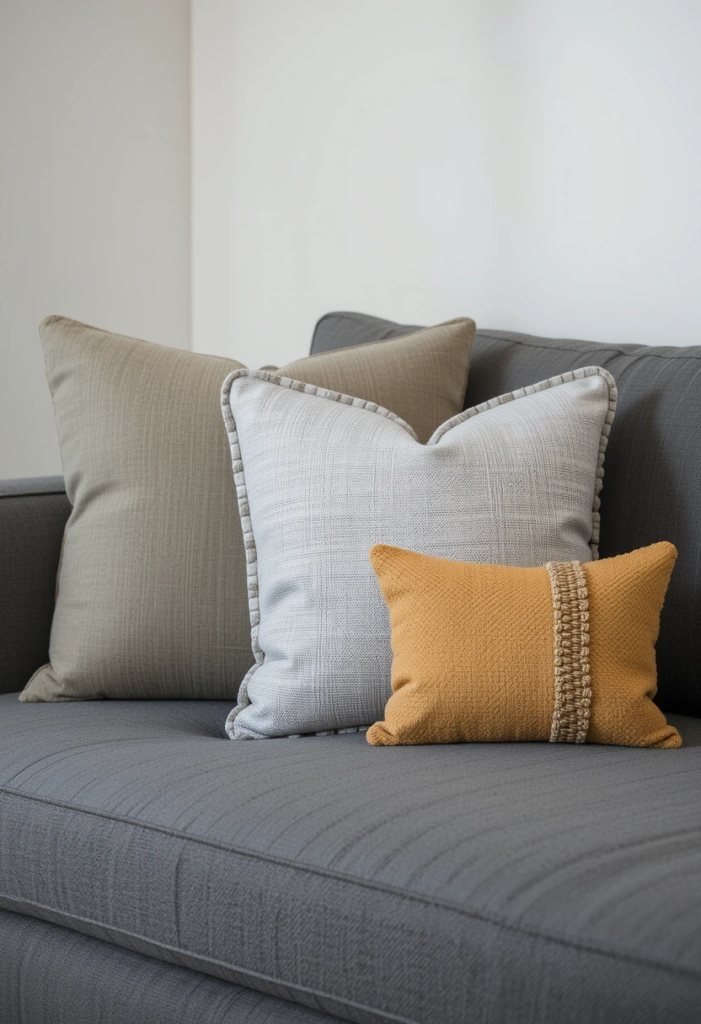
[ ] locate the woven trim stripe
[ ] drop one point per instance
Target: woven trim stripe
(572, 673)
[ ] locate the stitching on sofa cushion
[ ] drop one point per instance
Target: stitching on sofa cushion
(491, 919)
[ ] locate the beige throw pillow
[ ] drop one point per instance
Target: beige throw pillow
(151, 598)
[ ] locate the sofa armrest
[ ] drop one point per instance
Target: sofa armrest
(33, 514)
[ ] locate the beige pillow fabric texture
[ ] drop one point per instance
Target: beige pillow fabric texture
(424, 401)
(151, 596)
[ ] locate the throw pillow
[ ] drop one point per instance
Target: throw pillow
(565, 652)
(152, 597)
(321, 477)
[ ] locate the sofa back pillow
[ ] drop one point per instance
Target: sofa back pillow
(152, 597)
(653, 462)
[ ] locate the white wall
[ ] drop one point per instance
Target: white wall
(534, 165)
(94, 190)
(600, 116)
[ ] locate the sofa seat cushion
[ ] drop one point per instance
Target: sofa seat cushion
(424, 884)
(76, 979)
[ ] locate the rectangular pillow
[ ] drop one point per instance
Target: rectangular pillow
(322, 477)
(564, 652)
(152, 597)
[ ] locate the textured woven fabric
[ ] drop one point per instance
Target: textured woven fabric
(321, 478)
(436, 885)
(335, 331)
(653, 462)
(424, 400)
(493, 653)
(33, 514)
(52, 975)
(152, 589)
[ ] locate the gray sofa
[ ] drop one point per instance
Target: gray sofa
(153, 871)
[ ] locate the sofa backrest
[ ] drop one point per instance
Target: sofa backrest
(652, 481)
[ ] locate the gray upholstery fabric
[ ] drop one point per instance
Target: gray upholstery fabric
(30, 486)
(652, 482)
(339, 330)
(427, 884)
(51, 975)
(32, 516)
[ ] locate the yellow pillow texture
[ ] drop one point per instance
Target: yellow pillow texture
(565, 652)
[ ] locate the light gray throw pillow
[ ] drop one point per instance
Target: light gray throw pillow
(321, 477)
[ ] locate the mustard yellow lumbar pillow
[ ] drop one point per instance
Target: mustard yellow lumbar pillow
(565, 652)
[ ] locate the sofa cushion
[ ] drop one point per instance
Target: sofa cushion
(448, 883)
(50, 975)
(653, 461)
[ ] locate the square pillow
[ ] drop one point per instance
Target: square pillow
(152, 598)
(565, 652)
(321, 477)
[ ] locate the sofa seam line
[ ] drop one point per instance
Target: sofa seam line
(495, 334)
(601, 346)
(202, 957)
(366, 884)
